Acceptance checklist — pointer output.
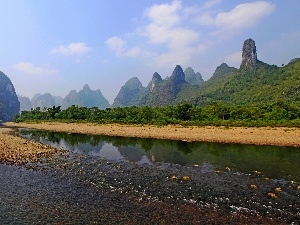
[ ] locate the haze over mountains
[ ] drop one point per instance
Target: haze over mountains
(254, 82)
(132, 93)
(84, 98)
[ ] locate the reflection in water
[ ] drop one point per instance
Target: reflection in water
(108, 151)
(274, 162)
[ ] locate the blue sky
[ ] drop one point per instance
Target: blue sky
(54, 46)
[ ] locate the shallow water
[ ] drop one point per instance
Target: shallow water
(114, 180)
(274, 162)
(35, 197)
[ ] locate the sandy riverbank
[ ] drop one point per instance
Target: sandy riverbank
(278, 136)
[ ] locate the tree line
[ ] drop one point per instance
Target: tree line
(217, 113)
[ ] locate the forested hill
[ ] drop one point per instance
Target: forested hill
(130, 94)
(254, 82)
(264, 84)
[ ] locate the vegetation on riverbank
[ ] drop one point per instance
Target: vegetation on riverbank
(218, 113)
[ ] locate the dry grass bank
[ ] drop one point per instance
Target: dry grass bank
(278, 136)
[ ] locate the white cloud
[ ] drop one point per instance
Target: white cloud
(210, 4)
(165, 14)
(243, 16)
(31, 69)
(116, 44)
(181, 56)
(72, 49)
(164, 28)
(133, 52)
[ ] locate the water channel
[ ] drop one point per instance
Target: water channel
(280, 163)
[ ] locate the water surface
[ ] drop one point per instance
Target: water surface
(274, 162)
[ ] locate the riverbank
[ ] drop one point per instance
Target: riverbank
(278, 136)
(17, 150)
(57, 186)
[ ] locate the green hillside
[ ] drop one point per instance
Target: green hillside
(244, 86)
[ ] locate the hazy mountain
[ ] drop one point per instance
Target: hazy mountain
(39, 100)
(25, 103)
(35, 97)
(85, 98)
(192, 77)
(43, 101)
(70, 99)
(130, 94)
(9, 103)
(58, 100)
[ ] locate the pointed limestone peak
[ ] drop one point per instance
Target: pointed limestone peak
(178, 75)
(249, 55)
(86, 87)
(189, 70)
(156, 79)
(192, 77)
(133, 82)
(156, 76)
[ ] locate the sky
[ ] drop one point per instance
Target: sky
(55, 46)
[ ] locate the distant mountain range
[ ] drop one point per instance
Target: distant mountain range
(158, 92)
(254, 82)
(131, 94)
(84, 98)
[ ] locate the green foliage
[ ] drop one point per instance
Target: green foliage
(217, 113)
(246, 87)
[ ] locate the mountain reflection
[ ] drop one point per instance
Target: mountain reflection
(275, 162)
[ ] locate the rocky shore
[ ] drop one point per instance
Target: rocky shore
(17, 150)
(54, 186)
